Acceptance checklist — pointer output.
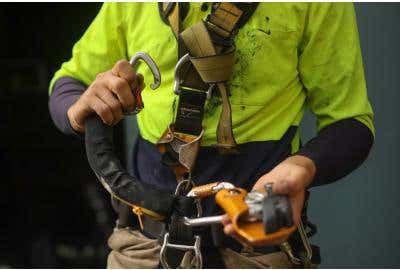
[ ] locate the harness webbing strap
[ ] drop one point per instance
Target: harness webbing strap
(224, 19)
(211, 50)
(215, 68)
(171, 12)
(214, 64)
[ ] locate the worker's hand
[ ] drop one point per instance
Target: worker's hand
(291, 177)
(109, 95)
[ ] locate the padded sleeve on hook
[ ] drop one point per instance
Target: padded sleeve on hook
(104, 162)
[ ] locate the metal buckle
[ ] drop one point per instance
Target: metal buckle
(184, 59)
(196, 248)
(182, 186)
(178, 81)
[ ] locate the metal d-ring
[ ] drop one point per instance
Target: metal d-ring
(178, 81)
(184, 59)
(198, 263)
(197, 201)
(152, 65)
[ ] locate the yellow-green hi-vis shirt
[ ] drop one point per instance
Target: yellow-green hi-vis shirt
(288, 55)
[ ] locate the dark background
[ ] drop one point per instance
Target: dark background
(55, 214)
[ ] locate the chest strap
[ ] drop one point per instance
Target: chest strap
(206, 62)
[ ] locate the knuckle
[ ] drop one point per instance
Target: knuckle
(291, 184)
(103, 114)
(115, 106)
(119, 84)
(100, 76)
(90, 100)
(130, 76)
(87, 94)
(93, 88)
(120, 67)
(99, 108)
(120, 64)
(302, 172)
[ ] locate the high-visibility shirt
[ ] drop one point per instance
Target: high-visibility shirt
(288, 56)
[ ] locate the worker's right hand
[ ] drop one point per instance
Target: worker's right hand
(109, 96)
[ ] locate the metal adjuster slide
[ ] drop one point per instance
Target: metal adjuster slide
(178, 81)
(183, 185)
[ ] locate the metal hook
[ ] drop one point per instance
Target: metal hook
(198, 258)
(151, 64)
(178, 81)
(184, 59)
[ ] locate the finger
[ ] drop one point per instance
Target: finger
(107, 97)
(229, 229)
(225, 220)
(122, 90)
(124, 70)
(139, 82)
(102, 109)
(297, 203)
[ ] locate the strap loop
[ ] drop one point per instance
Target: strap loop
(215, 68)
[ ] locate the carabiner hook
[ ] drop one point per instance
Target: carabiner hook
(151, 64)
(156, 74)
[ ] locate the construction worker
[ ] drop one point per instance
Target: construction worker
(288, 56)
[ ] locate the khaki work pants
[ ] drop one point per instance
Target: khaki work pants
(131, 249)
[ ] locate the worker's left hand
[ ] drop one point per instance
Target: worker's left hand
(291, 177)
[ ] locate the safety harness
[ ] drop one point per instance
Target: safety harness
(206, 59)
(206, 53)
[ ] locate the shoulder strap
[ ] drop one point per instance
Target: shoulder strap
(173, 14)
(164, 9)
(248, 10)
(210, 44)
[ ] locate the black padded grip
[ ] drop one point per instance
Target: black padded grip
(107, 167)
(277, 213)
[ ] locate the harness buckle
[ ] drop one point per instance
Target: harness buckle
(198, 259)
(184, 185)
(178, 81)
(185, 148)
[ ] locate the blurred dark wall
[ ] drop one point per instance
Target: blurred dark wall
(54, 212)
(358, 216)
(45, 31)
